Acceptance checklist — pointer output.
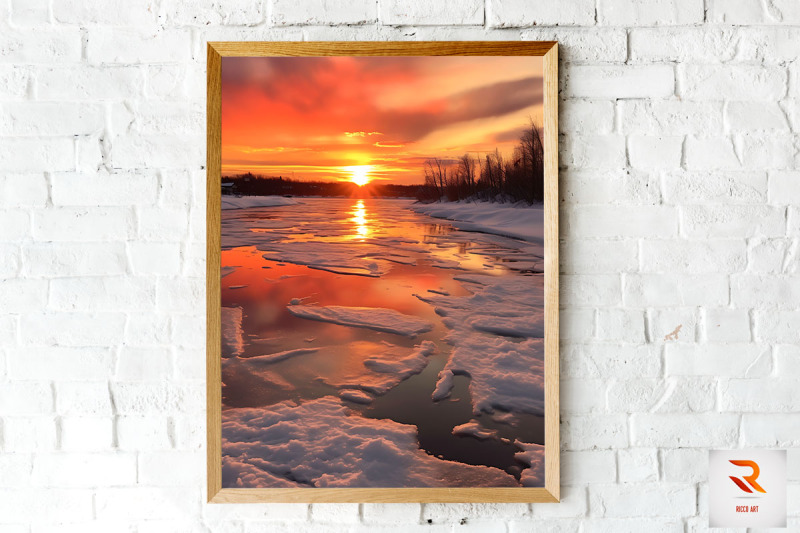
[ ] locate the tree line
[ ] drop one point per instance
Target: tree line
(250, 184)
(490, 177)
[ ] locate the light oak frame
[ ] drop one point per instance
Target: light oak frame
(551, 490)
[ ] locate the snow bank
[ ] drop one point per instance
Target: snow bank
(485, 329)
(533, 456)
(245, 202)
(375, 318)
(320, 444)
(526, 223)
(273, 357)
(473, 429)
(232, 335)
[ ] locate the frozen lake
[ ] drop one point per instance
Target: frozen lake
(358, 312)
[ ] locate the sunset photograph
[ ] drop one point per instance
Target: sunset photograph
(382, 272)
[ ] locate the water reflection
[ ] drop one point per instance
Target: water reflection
(359, 213)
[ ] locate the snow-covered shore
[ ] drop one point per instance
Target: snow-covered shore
(509, 220)
(245, 202)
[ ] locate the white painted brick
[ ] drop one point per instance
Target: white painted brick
(672, 117)
(725, 187)
(642, 290)
(30, 12)
(20, 154)
(185, 469)
(595, 431)
(26, 398)
(685, 430)
(589, 81)
(711, 153)
(71, 329)
(758, 395)
(755, 116)
(587, 116)
(61, 45)
(622, 325)
(787, 360)
(766, 151)
(583, 45)
(574, 403)
(86, 433)
(160, 258)
(137, 398)
(168, 82)
(147, 329)
(727, 325)
(701, 257)
(102, 294)
(759, 291)
(163, 224)
(609, 187)
(73, 259)
(771, 44)
(43, 505)
(553, 525)
(673, 324)
(590, 290)
(152, 151)
(745, 11)
(613, 221)
(21, 295)
(123, 45)
(93, 12)
(16, 225)
(60, 363)
(383, 513)
(342, 513)
(725, 221)
(173, 293)
(637, 499)
(50, 118)
(784, 187)
(686, 44)
(685, 465)
(592, 466)
(398, 12)
(145, 503)
(83, 398)
(16, 469)
(576, 324)
(638, 465)
(80, 82)
(19, 190)
(635, 525)
(83, 224)
(771, 256)
(651, 12)
(739, 82)
(28, 434)
(651, 152)
(119, 188)
(149, 364)
(516, 13)
(143, 433)
(777, 326)
(265, 514)
(599, 256)
(211, 12)
(83, 469)
(440, 512)
(609, 360)
(771, 430)
(594, 151)
(159, 118)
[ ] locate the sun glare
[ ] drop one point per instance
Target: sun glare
(359, 174)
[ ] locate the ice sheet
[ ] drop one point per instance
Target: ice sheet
(320, 444)
(375, 318)
(519, 222)
(244, 202)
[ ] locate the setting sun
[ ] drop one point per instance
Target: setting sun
(359, 174)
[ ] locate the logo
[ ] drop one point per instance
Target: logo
(751, 479)
(747, 488)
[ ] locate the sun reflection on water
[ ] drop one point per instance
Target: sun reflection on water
(359, 213)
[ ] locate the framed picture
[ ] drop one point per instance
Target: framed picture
(382, 272)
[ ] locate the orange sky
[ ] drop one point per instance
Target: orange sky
(310, 117)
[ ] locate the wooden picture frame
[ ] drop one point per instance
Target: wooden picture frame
(550, 491)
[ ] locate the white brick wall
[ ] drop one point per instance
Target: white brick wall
(680, 189)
